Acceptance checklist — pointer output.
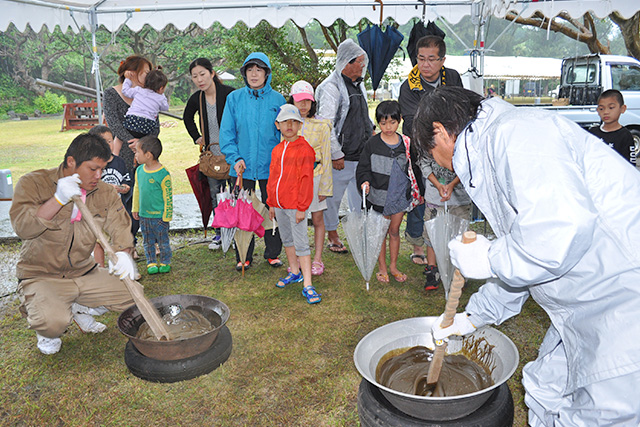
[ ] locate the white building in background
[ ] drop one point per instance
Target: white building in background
(513, 70)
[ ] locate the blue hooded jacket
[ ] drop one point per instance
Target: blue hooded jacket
(248, 131)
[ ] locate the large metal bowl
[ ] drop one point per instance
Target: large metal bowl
(215, 311)
(417, 331)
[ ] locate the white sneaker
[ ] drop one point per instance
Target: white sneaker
(81, 309)
(87, 323)
(216, 243)
(48, 345)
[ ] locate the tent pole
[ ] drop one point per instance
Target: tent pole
(93, 21)
(477, 67)
(451, 30)
(508, 26)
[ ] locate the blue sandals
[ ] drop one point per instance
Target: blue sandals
(312, 296)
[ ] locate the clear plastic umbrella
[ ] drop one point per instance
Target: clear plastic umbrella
(365, 231)
(441, 230)
(226, 237)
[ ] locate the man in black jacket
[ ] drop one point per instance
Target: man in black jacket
(428, 74)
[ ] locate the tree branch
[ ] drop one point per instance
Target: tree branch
(581, 32)
(630, 29)
(305, 40)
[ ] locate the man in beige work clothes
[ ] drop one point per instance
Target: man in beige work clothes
(59, 281)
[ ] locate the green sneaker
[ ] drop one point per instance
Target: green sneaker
(152, 268)
(164, 268)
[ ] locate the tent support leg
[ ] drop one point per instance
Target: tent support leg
(95, 67)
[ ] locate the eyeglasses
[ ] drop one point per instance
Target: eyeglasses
(430, 60)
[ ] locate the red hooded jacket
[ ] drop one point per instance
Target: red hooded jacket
(290, 184)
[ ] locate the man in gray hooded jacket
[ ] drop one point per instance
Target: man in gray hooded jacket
(342, 98)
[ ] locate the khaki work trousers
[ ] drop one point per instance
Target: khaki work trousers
(46, 302)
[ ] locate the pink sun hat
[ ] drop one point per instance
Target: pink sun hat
(302, 90)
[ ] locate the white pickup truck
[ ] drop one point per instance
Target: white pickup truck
(584, 78)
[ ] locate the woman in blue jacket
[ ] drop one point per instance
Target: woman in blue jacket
(248, 134)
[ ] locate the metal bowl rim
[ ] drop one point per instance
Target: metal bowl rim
(425, 398)
(154, 299)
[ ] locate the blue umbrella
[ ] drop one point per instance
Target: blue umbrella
(380, 47)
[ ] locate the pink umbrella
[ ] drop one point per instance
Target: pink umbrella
(248, 218)
(226, 218)
(225, 215)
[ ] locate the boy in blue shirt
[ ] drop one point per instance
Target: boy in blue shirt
(153, 203)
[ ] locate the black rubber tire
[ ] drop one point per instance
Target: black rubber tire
(170, 371)
(636, 140)
(375, 410)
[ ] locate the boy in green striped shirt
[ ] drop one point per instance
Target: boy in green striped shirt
(153, 203)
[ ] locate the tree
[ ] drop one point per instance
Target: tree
(585, 30)
(170, 48)
(630, 29)
(290, 61)
(30, 55)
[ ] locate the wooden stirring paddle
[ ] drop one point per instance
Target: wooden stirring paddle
(449, 311)
(148, 311)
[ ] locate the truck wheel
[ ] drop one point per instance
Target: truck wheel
(636, 140)
(375, 410)
(169, 371)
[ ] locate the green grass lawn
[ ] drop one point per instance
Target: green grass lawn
(34, 144)
(291, 365)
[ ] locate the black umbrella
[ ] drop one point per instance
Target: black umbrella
(418, 31)
(381, 48)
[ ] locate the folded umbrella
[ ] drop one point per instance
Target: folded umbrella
(248, 218)
(262, 209)
(200, 186)
(226, 215)
(418, 31)
(381, 47)
(441, 230)
(365, 231)
(242, 239)
(226, 218)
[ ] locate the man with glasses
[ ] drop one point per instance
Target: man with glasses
(428, 74)
(342, 99)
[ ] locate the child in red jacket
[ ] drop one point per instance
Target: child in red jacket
(290, 191)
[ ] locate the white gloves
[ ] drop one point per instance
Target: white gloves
(460, 326)
(124, 267)
(68, 187)
(472, 259)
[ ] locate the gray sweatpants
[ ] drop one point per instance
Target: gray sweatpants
(292, 233)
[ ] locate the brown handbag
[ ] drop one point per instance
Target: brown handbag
(213, 166)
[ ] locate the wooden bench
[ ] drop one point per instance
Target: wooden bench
(79, 115)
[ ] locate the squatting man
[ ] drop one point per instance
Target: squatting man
(58, 278)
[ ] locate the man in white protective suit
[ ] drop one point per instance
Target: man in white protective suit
(566, 212)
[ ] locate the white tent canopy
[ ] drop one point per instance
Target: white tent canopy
(113, 14)
(160, 13)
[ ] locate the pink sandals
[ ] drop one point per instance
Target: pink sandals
(317, 268)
